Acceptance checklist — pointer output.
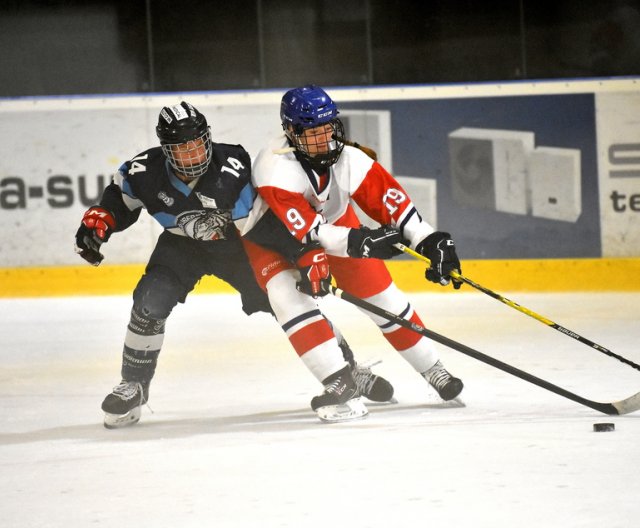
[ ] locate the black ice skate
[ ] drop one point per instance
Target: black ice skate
(123, 406)
(372, 386)
(340, 400)
(447, 386)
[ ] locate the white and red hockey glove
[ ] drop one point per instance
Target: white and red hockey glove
(315, 277)
(95, 229)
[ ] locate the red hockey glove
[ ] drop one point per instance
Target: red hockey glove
(315, 278)
(441, 251)
(95, 229)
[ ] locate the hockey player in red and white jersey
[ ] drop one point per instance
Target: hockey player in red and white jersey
(306, 179)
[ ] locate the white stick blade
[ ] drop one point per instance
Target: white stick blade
(628, 405)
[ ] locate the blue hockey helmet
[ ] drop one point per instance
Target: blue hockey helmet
(307, 106)
(310, 107)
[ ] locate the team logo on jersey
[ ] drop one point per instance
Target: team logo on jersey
(166, 199)
(207, 202)
(205, 225)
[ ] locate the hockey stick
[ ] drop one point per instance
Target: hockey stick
(524, 310)
(628, 405)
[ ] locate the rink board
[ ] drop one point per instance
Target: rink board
(556, 275)
(514, 171)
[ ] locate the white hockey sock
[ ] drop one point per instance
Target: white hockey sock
(324, 360)
(421, 356)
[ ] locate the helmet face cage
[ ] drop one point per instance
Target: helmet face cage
(185, 138)
(320, 145)
(186, 158)
(305, 113)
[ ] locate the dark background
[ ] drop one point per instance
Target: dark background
(56, 47)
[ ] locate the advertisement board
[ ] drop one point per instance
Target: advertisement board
(513, 171)
(516, 176)
(619, 172)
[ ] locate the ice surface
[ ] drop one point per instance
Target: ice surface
(232, 441)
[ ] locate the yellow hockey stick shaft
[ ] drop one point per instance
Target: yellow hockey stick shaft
(458, 276)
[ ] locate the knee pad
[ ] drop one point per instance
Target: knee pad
(158, 291)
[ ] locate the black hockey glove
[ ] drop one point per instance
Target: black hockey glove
(95, 229)
(441, 251)
(315, 278)
(373, 243)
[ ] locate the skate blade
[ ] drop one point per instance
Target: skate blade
(116, 421)
(352, 410)
(377, 403)
(438, 403)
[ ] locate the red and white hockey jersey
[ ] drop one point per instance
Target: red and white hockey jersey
(314, 207)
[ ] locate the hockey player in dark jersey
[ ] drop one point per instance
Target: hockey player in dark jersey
(195, 189)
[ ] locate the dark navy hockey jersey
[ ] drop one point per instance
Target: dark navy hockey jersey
(204, 211)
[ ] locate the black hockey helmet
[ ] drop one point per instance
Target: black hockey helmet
(181, 127)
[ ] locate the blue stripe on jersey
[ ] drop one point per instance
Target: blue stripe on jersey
(244, 204)
(126, 188)
(296, 320)
(166, 220)
(177, 182)
(411, 212)
(124, 185)
(390, 324)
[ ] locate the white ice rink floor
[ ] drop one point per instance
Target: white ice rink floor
(232, 441)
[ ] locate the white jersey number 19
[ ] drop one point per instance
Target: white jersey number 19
(392, 199)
